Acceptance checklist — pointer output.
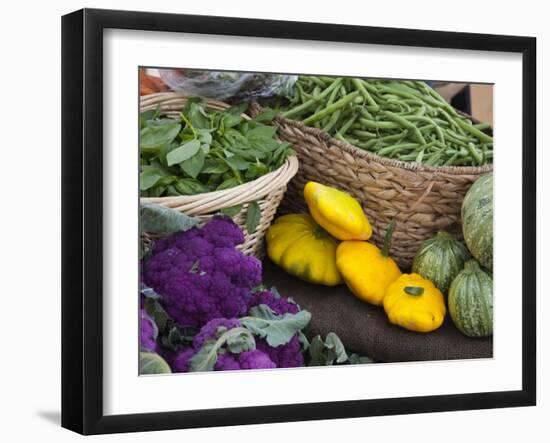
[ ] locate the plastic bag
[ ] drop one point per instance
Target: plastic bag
(228, 86)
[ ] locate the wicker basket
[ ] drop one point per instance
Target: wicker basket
(422, 199)
(268, 190)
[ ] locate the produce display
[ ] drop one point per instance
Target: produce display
(204, 308)
(208, 299)
(477, 220)
(471, 301)
(440, 259)
(304, 249)
(414, 303)
(205, 150)
(400, 119)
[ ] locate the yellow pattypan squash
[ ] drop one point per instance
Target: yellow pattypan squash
(367, 270)
(414, 303)
(339, 213)
(296, 243)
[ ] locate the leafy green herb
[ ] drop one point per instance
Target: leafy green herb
(206, 150)
(253, 216)
(232, 211)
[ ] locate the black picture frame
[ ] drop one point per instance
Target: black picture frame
(82, 217)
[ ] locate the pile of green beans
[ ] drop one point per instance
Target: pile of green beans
(401, 119)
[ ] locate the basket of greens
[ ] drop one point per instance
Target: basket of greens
(203, 157)
(395, 145)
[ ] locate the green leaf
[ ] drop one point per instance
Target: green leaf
(149, 178)
(205, 136)
(215, 166)
(151, 138)
(193, 165)
(232, 211)
(189, 186)
(266, 116)
(157, 313)
(237, 340)
(163, 220)
(355, 359)
(328, 352)
(182, 153)
(238, 109)
(152, 363)
(237, 162)
(276, 329)
(253, 216)
(229, 183)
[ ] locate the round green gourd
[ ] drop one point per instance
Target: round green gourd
(471, 301)
(440, 259)
(477, 220)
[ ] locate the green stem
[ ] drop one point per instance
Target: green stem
(414, 290)
(387, 239)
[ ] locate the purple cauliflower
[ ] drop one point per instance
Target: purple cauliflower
(255, 359)
(226, 361)
(279, 305)
(213, 329)
(290, 354)
(200, 275)
(148, 331)
(179, 362)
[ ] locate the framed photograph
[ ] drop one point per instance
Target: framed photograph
(269, 221)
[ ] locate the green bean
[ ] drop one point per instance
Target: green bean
(347, 125)
(313, 101)
(363, 134)
(363, 91)
(330, 109)
(407, 124)
(420, 156)
(474, 131)
(451, 159)
(332, 121)
(475, 154)
(319, 82)
(482, 126)
(379, 124)
(396, 148)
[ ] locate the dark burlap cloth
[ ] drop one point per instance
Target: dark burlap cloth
(365, 329)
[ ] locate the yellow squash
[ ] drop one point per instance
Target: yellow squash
(367, 270)
(339, 213)
(296, 243)
(415, 304)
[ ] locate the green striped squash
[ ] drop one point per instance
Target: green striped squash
(471, 301)
(440, 259)
(477, 220)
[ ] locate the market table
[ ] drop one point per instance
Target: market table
(364, 328)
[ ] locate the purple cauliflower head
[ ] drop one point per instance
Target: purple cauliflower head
(148, 331)
(279, 305)
(255, 359)
(288, 355)
(179, 362)
(213, 329)
(199, 274)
